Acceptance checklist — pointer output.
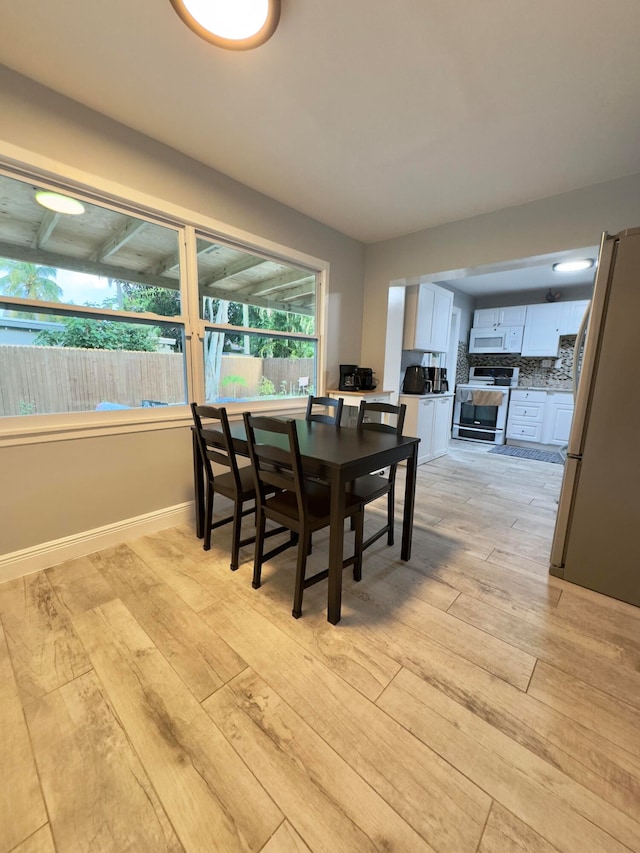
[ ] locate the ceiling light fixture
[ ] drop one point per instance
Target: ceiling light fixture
(233, 24)
(59, 203)
(573, 266)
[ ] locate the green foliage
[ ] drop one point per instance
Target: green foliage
(267, 388)
(26, 408)
(233, 380)
(24, 280)
(85, 333)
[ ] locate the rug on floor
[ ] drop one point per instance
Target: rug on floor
(529, 453)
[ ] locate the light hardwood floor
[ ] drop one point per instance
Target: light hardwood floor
(151, 700)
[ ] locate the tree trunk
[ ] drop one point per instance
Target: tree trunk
(213, 344)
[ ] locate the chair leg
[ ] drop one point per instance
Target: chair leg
(235, 534)
(257, 560)
(359, 525)
(208, 517)
(391, 501)
(303, 549)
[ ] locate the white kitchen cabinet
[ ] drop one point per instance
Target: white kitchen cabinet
(557, 418)
(511, 315)
(571, 316)
(427, 318)
(429, 418)
(526, 415)
(542, 330)
(542, 417)
(442, 426)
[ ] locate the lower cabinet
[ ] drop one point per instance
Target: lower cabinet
(429, 418)
(542, 417)
(558, 417)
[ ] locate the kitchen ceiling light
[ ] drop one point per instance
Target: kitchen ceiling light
(573, 266)
(59, 203)
(233, 24)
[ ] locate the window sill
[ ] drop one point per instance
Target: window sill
(66, 427)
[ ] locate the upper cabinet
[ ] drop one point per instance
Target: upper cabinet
(513, 315)
(427, 318)
(545, 324)
(542, 330)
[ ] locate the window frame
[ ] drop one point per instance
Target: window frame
(38, 428)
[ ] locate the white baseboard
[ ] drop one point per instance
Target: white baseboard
(48, 554)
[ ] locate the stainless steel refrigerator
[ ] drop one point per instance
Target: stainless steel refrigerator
(596, 542)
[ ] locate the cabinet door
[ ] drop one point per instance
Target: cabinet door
(441, 426)
(557, 419)
(428, 318)
(512, 315)
(571, 316)
(484, 318)
(426, 418)
(542, 330)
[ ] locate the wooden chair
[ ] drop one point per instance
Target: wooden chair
(373, 486)
(237, 484)
(332, 416)
(302, 506)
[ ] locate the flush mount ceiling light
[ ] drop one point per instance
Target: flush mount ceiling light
(59, 203)
(573, 266)
(234, 24)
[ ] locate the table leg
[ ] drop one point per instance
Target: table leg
(336, 547)
(198, 486)
(409, 504)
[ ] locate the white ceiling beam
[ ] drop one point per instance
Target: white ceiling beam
(122, 236)
(47, 224)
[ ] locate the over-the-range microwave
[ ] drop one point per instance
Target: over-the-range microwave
(492, 339)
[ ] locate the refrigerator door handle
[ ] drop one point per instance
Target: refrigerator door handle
(563, 518)
(580, 340)
(593, 333)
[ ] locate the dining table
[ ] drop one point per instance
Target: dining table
(337, 455)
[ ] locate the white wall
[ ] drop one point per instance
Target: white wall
(59, 489)
(566, 221)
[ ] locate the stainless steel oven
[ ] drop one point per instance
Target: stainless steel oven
(481, 405)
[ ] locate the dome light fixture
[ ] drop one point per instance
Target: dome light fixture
(59, 203)
(574, 266)
(232, 24)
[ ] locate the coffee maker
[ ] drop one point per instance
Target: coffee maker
(438, 377)
(348, 377)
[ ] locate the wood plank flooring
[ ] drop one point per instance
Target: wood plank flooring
(468, 702)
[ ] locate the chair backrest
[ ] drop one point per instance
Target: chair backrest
(275, 455)
(332, 413)
(214, 439)
(382, 409)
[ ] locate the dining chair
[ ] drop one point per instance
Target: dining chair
(370, 487)
(302, 505)
(215, 445)
(331, 410)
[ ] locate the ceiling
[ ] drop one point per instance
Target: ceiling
(527, 275)
(375, 118)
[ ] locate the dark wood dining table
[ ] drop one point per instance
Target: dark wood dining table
(337, 455)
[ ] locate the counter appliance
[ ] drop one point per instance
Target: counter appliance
(595, 539)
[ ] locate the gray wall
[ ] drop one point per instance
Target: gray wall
(567, 221)
(53, 490)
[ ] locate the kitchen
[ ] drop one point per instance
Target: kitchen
(513, 331)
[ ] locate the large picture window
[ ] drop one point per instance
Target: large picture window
(260, 325)
(96, 311)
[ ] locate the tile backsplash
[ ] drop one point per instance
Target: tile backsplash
(531, 370)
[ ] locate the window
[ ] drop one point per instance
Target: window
(259, 318)
(72, 289)
(96, 311)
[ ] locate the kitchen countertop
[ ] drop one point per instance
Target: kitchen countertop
(425, 396)
(567, 389)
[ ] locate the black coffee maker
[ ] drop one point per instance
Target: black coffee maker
(438, 377)
(348, 377)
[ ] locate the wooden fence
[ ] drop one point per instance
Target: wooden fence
(45, 380)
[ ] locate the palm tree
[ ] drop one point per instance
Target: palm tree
(24, 280)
